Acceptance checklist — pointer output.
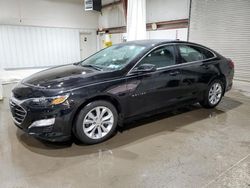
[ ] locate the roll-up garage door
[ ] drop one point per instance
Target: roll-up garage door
(224, 25)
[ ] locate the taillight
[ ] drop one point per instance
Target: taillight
(230, 63)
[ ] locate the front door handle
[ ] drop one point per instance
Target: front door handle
(205, 66)
(174, 73)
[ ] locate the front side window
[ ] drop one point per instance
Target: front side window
(113, 58)
(161, 57)
(193, 53)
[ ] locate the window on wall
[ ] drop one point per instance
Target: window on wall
(161, 57)
(193, 53)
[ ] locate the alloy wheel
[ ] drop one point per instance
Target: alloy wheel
(98, 122)
(215, 93)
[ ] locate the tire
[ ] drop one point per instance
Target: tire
(90, 129)
(213, 95)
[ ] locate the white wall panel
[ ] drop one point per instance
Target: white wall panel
(22, 47)
(112, 17)
(165, 10)
(47, 13)
(172, 34)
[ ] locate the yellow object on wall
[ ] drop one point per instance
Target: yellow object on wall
(107, 42)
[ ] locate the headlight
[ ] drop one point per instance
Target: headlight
(48, 101)
(59, 100)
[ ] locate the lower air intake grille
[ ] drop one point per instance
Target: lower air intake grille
(18, 112)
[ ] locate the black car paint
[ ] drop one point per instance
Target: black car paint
(132, 94)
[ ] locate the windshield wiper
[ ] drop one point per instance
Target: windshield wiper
(92, 66)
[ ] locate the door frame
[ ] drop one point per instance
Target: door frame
(83, 33)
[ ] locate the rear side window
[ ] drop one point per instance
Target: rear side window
(189, 53)
(160, 57)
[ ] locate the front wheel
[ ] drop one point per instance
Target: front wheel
(213, 94)
(96, 122)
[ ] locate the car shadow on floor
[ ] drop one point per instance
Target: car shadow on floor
(134, 131)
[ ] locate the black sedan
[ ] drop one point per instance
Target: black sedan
(90, 98)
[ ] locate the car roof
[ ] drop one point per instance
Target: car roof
(153, 42)
(156, 42)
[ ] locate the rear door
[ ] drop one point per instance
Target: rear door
(197, 67)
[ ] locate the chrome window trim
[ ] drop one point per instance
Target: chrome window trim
(176, 65)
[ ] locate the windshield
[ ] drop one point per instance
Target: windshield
(113, 58)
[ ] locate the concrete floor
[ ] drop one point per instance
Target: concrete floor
(191, 147)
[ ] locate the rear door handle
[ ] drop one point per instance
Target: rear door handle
(174, 73)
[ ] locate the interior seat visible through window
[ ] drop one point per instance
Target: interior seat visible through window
(161, 57)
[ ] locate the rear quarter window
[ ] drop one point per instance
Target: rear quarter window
(190, 53)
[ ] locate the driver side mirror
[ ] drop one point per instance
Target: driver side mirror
(144, 68)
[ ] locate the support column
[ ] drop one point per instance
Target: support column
(1, 85)
(136, 20)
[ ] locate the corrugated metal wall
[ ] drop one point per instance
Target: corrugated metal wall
(224, 26)
(22, 47)
(112, 17)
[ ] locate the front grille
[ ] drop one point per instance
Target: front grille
(18, 112)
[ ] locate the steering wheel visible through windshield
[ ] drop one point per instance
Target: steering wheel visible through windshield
(113, 58)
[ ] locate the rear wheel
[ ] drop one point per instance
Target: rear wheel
(213, 94)
(96, 122)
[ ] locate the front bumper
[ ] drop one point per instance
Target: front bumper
(25, 117)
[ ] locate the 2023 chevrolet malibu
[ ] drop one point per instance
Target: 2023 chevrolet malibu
(90, 98)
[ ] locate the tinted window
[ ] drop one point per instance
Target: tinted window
(161, 57)
(193, 53)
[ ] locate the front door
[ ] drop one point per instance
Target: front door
(154, 90)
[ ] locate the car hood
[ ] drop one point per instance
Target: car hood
(67, 76)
